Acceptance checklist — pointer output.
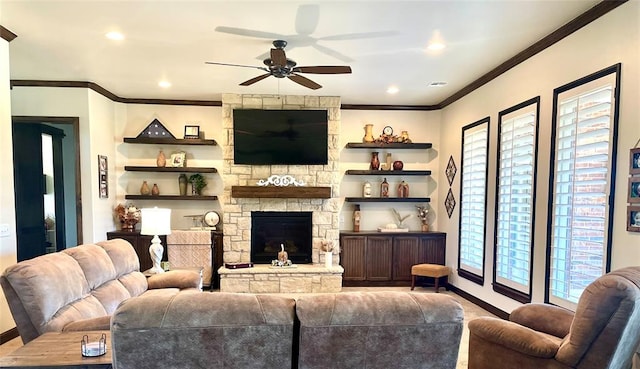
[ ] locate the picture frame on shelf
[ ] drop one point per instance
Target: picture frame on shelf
(634, 161)
(633, 218)
(633, 192)
(178, 159)
(191, 131)
(103, 183)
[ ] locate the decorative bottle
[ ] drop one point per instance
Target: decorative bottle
(403, 189)
(144, 189)
(368, 133)
(366, 189)
(356, 219)
(375, 162)
(182, 184)
(161, 160)
(384, 188)
(155, 191)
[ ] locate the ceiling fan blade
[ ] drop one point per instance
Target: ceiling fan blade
(255, 79)
(249, 32)
(323, 69)
(332, 53)
(238, 65)
(306, 82)
(278, 57)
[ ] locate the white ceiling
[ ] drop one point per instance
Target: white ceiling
(383, 41)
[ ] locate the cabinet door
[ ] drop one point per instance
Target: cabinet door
(378, 256)
(352, 257)
(432, 250)
(406, 252)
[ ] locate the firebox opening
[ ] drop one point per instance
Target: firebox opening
(270, 229)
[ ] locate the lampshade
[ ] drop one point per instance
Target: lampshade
(155, 221)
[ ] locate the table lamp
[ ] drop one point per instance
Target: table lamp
(155, 222)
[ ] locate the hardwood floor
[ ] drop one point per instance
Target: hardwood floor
(470, 311)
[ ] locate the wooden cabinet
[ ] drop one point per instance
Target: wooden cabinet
(141, 244)
(375, 259)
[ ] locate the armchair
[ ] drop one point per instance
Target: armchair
(602, 333)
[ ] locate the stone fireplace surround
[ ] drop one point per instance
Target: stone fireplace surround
(314, 277)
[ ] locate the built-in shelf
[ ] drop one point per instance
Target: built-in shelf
(133, 168)
(302, 192)
(169, 197)
(169, 141)
(389, 172)
(387, 199)
(395, 145)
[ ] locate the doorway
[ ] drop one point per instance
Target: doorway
(46, 159)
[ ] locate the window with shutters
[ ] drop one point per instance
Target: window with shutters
(516, 183)
(473, 200)
(583, 156)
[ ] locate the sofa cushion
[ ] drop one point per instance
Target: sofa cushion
(95, 263)
(122, 254)
(379, 330)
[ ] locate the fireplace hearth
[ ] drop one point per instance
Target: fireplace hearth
(270, 229)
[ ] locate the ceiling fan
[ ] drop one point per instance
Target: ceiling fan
(280, 67)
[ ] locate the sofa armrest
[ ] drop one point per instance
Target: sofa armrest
(514, 337)
(182, 279)
(544, 318)
(101, 323)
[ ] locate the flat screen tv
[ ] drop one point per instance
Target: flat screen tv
(266, 137)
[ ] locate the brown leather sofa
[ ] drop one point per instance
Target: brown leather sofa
(334, 330)
(603, 333)
(79, 288)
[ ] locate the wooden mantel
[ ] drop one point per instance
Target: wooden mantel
(290, 192)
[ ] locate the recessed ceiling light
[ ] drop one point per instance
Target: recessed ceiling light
(436, 42)
(116, 36)
(164, 84)
(437, 84)
(434, 46)
(392, 90)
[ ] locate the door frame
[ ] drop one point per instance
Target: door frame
(75, 122)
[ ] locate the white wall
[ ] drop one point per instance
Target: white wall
(8, 255)
(423, 126)
(612, 39)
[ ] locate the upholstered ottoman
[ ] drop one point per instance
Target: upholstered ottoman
(203, 330)
(379, 330)
(435, 271)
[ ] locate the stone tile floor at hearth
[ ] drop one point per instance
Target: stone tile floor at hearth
(471, 311)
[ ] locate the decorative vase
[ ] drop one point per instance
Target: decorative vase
(144, 189)
(384, 188)
(328, 259)
(425, 227)
(403, 189)
(356, 219)
(375, 162)
(194, 190)
(155, 191)
(161, 160)
(389, 161)
(366, 189)
(368, 133)
(182, 184)
(398, 165)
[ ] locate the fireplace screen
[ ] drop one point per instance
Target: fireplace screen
(270, 229)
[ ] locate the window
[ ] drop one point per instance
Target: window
(517, 148)
(473, 200)
(582, 183)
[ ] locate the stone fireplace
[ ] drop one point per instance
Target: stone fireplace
(237, 219)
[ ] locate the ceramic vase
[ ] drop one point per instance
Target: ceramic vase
(389, 161)
(403, 189)
(161, 160)
(368, 133)
(375, 162)
(144, 189)
(366, 189)
(155, 191)
(398, 165)
(182, 184)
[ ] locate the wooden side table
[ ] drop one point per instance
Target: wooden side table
(59, 350)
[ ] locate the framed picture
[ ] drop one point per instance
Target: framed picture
(633, 195)
(634, 161)
(178, 159)
(191, 131)
(103, 184)
(633, 218)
